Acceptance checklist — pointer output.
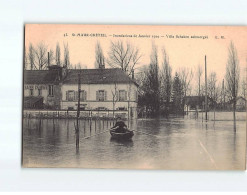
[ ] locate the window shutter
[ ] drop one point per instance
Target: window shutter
(97, 95)
(76, 95)
(66, 95)
(105, 95)
(85, 95)
(125, 95)
(117, 95)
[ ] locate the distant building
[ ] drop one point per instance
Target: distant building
(109, 90)
(197, 103)
(240, 104)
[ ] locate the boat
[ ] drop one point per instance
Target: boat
(121, 136)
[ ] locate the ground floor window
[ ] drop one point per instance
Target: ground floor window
(39, 92)
(50, 92)
(31, 92)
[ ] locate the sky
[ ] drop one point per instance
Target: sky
(183, 52)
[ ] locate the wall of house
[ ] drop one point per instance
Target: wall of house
(35, 88)
(49, 101)
(93, 104)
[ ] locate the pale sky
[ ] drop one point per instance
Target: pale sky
(182, 52)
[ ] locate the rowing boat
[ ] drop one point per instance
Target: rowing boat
(121, 136)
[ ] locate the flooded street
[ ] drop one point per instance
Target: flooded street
(175, 143)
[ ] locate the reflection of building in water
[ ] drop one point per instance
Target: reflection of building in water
(102, 90)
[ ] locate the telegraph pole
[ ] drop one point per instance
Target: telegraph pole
(206, 90)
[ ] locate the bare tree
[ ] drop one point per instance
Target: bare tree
(212, 84)
(99, 57)
(66, 56)
(58, 55)
(124, 56)
(185, 75)
(41, 54)
(25, 59)
(232, 77)
(199, 74)
(166, 81)
(31, 56)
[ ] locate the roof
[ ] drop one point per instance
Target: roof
(41, 76)
(32, 99)
(98, 76)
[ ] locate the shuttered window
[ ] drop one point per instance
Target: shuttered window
(70, 95)
(83, 96)
(31, 92)
(101, 95)
(50, 92)
(122, 95)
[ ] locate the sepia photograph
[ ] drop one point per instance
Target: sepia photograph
(134, 97)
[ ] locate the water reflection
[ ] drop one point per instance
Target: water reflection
(175, 143)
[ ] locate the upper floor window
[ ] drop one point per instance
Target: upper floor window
(50, 92)
(31, 92)
(122, 95)
(83, 96)
(71, 95)
(101, 95)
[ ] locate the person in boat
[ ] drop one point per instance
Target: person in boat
(120, 126)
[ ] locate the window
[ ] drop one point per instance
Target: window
(31, 92)
(122, 95)
(83, 96)
(50, 90)
(101, 95)
(71, 95)
(39, 92)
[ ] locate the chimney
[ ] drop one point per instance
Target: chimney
(133, 74)
(48, 59)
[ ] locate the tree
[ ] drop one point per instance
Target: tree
(212, 84)
(124, 56)
(177, 94)
(25, 59)
(232, 77)
(58, 55)
(185, 75)
(66, 56)
(166, 81)
(41, 54)
(99, 57)
(31, 56)
(154, 84)
(199, 74)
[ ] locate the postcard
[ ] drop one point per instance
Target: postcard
(134, 97)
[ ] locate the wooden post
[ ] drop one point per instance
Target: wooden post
(206, 90)
(78, 110)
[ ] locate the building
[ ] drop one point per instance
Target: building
(192, 103)
(43, 85)
(240, 104)
(102, 90)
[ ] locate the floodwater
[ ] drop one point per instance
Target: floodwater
(175, 143)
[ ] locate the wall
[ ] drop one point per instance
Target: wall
(92, 103)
